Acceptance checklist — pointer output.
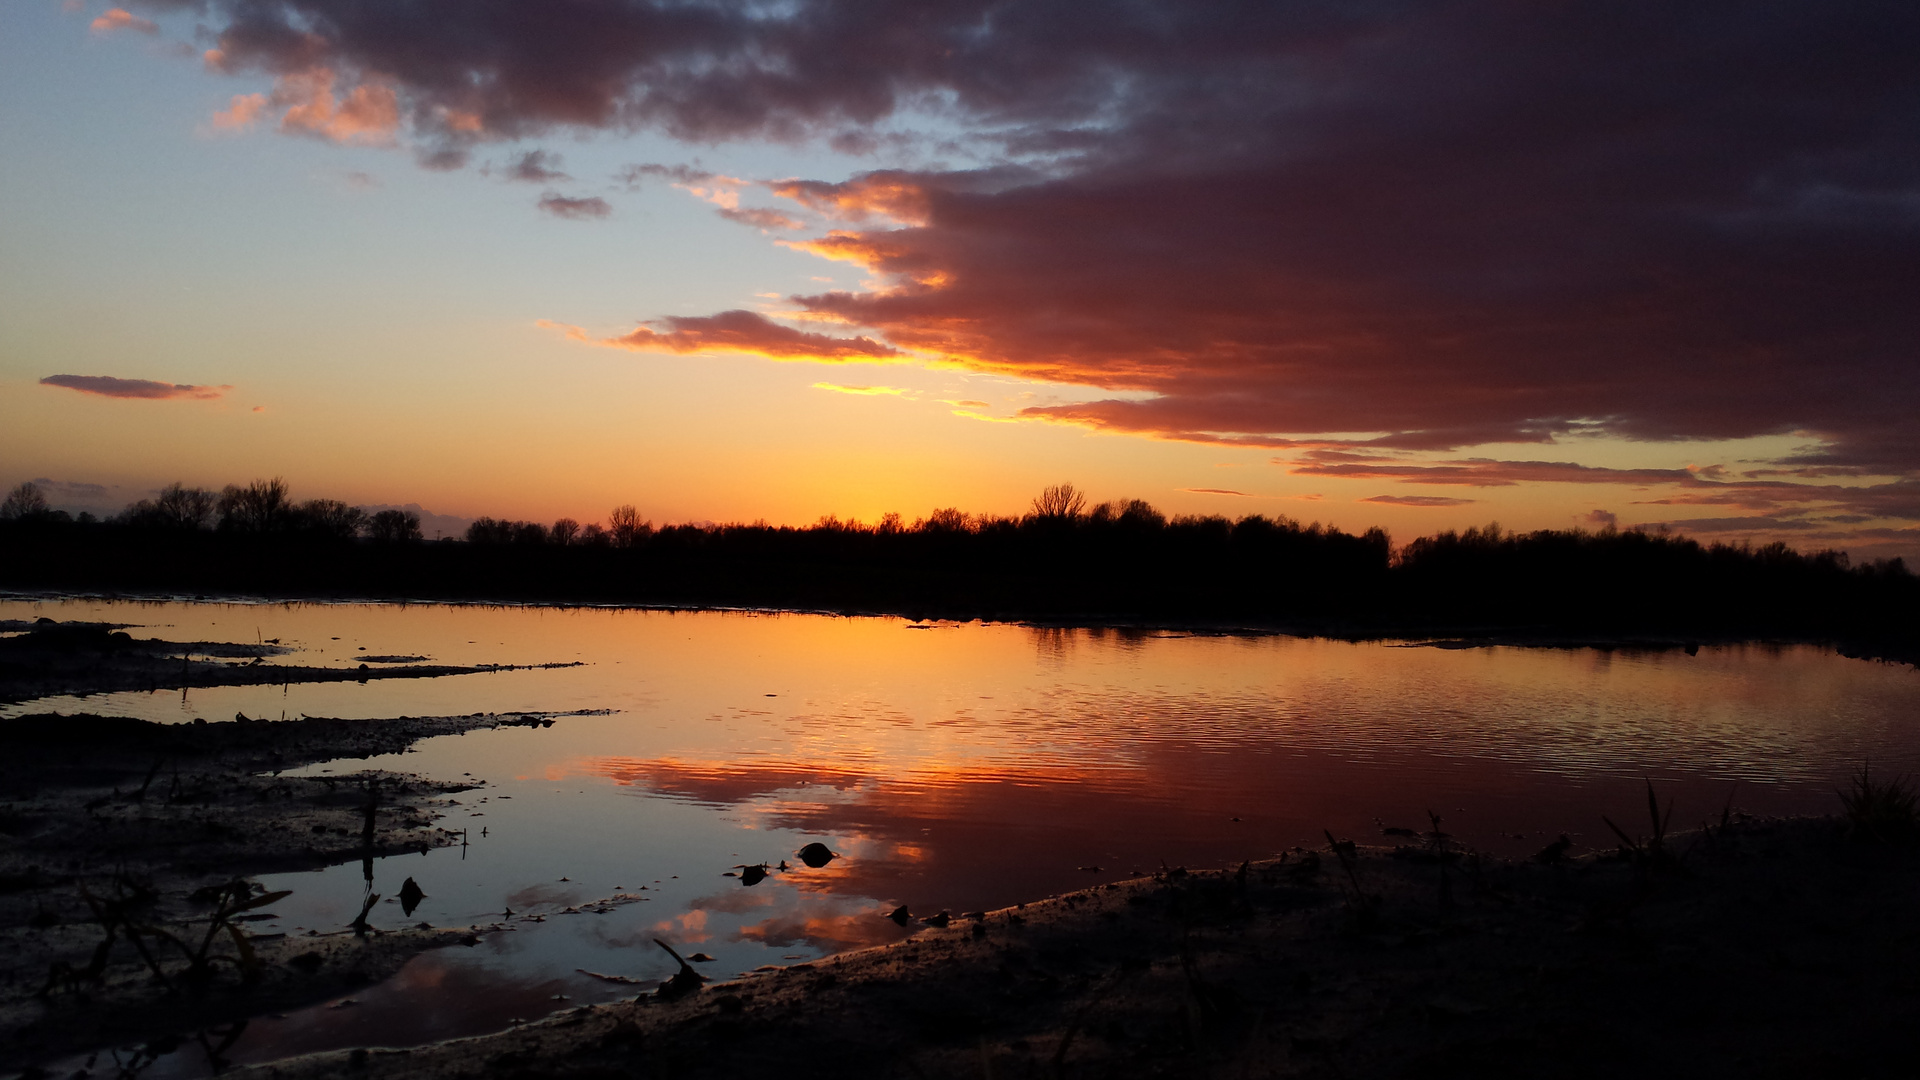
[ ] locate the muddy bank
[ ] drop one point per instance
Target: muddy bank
(46, 658)
(123, 832)
(1762, 948)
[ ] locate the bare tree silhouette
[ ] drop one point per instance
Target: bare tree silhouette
(24, 503)
(1061, 502)
(626, 526)
(564, 532)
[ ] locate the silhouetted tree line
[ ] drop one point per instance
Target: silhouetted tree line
(1063, 560)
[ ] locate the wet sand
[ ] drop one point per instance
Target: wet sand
(140, 816)
(1766, 948)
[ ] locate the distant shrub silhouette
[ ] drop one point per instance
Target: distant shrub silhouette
(488, 530)
(175, 507)
(24, 503)
(1129, 513)
(263, 506)
(329, 518)
(393, 527)
(1122, 561)
(947, 520)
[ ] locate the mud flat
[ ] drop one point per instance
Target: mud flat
(1757, 948)
(47, 658)
(124, 849)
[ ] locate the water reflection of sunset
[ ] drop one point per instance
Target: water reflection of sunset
(971, 767)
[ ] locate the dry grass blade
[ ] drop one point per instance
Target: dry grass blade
(1628, 844)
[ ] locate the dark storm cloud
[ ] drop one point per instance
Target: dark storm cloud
(1447, 223)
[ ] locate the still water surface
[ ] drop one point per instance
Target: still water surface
(962, 767)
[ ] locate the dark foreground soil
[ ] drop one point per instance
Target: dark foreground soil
(115, 822)
(1771, 949)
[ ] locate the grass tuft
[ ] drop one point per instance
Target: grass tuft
(1882, 809)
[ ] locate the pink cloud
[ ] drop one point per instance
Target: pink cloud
(368, 112)
(122, 19)
(109, 386)
(240, 113)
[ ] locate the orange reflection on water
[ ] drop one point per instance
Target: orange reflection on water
(825, 933)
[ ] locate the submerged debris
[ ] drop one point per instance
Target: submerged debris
(684, 982)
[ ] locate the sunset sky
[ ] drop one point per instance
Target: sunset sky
(1419, 265)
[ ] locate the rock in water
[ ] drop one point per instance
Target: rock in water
(410, 896)
(817, 855)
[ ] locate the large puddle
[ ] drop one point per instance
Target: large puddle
(962, 767)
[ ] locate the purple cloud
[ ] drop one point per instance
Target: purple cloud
(109, 386)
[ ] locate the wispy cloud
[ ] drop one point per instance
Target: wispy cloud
(1417, 500)
(535, 167)
(679, 175)
(736, 332)
(584, 209)
(109, 386)
(1218, 491)
(865, 391)
(769, 220)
